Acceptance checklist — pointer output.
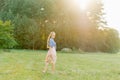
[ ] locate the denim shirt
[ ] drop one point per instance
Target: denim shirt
(52, 43)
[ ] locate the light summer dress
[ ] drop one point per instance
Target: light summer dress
(51, 55)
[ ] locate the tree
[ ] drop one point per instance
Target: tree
(7, 39)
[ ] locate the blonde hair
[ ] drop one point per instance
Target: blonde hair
(48, 39)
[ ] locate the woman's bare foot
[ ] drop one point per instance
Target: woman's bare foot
(44, 71)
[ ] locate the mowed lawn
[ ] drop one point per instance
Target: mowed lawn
(28, 65)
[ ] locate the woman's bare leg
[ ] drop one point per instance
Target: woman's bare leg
(53, 63)
(46, 67)
(53, 67)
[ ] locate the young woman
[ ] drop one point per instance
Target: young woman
(51, 55)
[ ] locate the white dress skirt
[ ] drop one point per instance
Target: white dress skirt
(51, 55)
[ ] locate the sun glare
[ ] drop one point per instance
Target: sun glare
(82, 4)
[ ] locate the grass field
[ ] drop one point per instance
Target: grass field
(28, 65)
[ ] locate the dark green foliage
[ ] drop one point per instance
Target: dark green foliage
(6, 35)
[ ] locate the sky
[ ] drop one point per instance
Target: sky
(111, 8)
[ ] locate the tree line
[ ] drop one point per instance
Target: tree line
(26, 24)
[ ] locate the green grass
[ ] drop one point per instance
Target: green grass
(28, 65)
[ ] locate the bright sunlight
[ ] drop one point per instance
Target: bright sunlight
(82, 4)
